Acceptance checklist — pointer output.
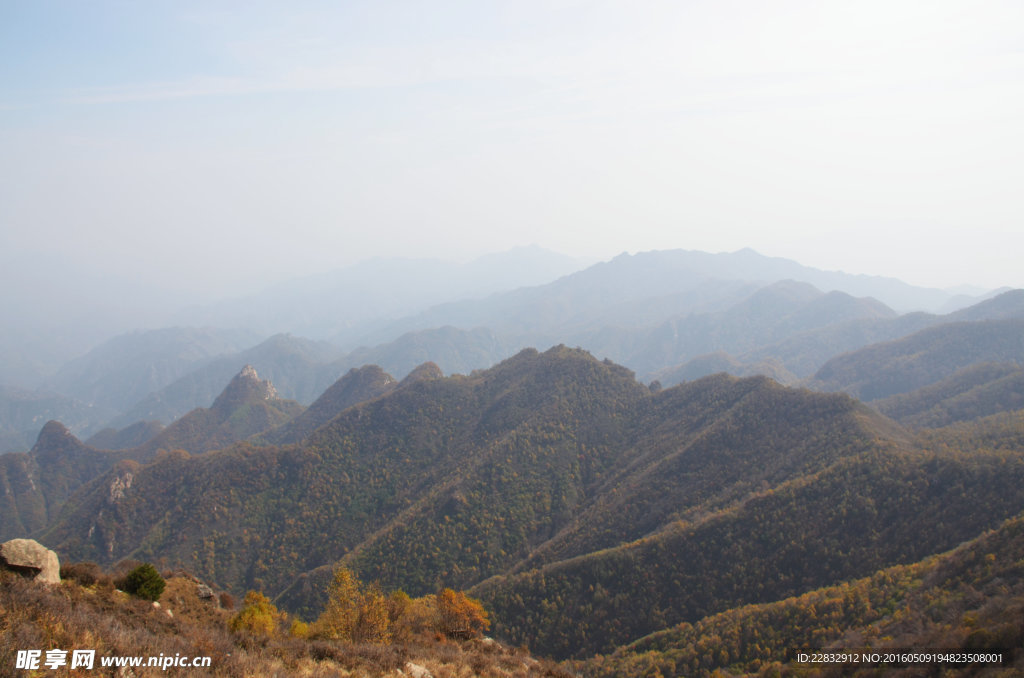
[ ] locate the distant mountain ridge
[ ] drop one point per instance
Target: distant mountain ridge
(783, 313)
(795, 359)
(339, 304)
(654, 312)
(23, 412)
(122, 371)
(35, 485)
(600, 516)
(246, 407)
(906, 364)
(296, 367)
(693, 280)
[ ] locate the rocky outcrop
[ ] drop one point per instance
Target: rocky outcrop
(416, 671)
(246, 387)
(30, 558)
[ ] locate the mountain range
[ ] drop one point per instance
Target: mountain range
(551, 477)
(667, 315)
(602, 510)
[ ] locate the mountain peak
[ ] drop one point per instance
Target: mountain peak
(55, 442)
(249, 372)
(246, 387)
(53, 432)
(356, 386)
(428, 371)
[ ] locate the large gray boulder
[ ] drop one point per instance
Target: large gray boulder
(30, 558)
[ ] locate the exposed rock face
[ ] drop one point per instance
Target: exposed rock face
(417, 671)
(244, 388)
(29, 557)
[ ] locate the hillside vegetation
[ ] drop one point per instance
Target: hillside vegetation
(585, 509)
(234, 639)
(968, 599)
(923, 358)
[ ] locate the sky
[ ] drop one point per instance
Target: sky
(213, 147)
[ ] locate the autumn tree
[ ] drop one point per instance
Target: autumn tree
(258, 616)
(354, 611)
(460, 616)
(373, 625)
(340, 616)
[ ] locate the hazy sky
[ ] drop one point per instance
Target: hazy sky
(196, 143)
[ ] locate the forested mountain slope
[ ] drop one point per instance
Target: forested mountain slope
(34, 485)
(367, 466)
(541, 458)
(356, 386)
(707, 444)
(862, 514)
(802, 352)
(585, 508)
(973, 392)
(969, 599)
(894, 505)
(900, 366)
(246, 407)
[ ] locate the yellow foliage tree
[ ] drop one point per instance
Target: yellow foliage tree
(258, 616)
(460, 616)
(339, 618)
(298, 629)
(373, 624)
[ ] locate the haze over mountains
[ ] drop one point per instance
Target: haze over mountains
(668, 315)
(616, 484)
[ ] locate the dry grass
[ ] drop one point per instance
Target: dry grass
(95, 616)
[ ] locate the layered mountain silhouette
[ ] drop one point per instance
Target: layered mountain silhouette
(977, 391)
(347, 303)
(797, 357)
(556, 477)
(38, 483)
(23, 412)
(296, 366)
(923, 358)
(786, 330)
(598, 515)
(356, 386)
(134, 435)
(125, 369)
(246, 407)
(654, 312)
